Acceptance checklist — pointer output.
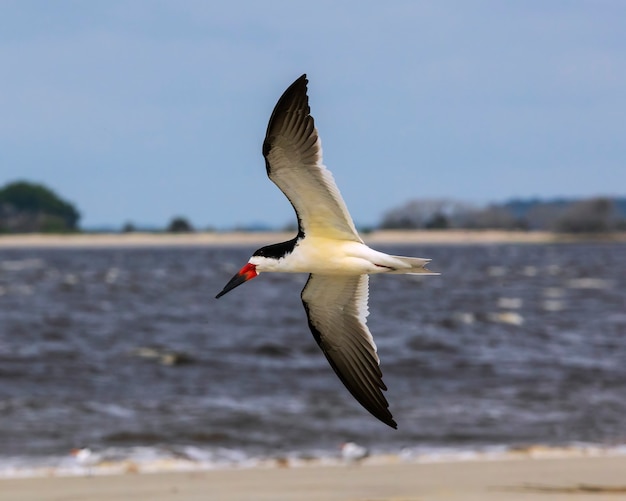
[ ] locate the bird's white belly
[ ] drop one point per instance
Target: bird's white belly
(327, 256)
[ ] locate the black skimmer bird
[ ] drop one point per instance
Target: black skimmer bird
(329, 248)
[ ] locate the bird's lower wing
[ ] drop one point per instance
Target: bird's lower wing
(336, 307)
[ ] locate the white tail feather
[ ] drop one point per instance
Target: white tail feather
(415, 266)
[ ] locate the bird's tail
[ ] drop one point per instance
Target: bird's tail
(413, 266)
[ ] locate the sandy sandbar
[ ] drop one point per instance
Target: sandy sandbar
(417, 237)
(548, 479)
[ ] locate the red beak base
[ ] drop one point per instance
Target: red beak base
(248, 272)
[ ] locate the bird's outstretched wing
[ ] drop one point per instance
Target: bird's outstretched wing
(336, 306)
(293, 158)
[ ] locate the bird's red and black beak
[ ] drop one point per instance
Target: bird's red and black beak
(248, 272)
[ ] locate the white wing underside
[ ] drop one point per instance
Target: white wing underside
(336, 307)
(293, 155)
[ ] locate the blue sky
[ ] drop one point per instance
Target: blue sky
(142, 110)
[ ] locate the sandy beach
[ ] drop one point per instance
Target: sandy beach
(527, 478)
(417, 237)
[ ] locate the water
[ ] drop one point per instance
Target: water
(126, 351)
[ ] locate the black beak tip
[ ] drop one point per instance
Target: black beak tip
(236, 281)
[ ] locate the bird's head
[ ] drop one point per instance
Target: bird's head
(248, 272)
(268, 258)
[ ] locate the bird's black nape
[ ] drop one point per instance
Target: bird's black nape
(276, 251)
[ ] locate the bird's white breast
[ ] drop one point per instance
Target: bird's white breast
(325, 256)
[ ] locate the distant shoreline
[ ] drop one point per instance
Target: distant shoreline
(208, 239)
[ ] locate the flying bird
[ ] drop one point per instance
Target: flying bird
(327, 247)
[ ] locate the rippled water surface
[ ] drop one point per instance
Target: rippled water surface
(120, 348)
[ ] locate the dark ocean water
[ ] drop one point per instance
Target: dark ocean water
(127, 350)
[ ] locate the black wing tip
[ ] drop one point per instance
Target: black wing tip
(301, 81)
(391, 422)
(296, 93)
(297, 88)
(383, 414)
(295, 97)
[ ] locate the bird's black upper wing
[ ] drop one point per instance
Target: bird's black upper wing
(293, 158)
(336, 307)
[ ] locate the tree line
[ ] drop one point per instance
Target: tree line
(29, 207)
(590, 215)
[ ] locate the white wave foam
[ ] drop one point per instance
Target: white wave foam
(117, 461)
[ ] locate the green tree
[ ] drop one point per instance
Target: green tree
(129, 227)
(29, 207)
(179, 225)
